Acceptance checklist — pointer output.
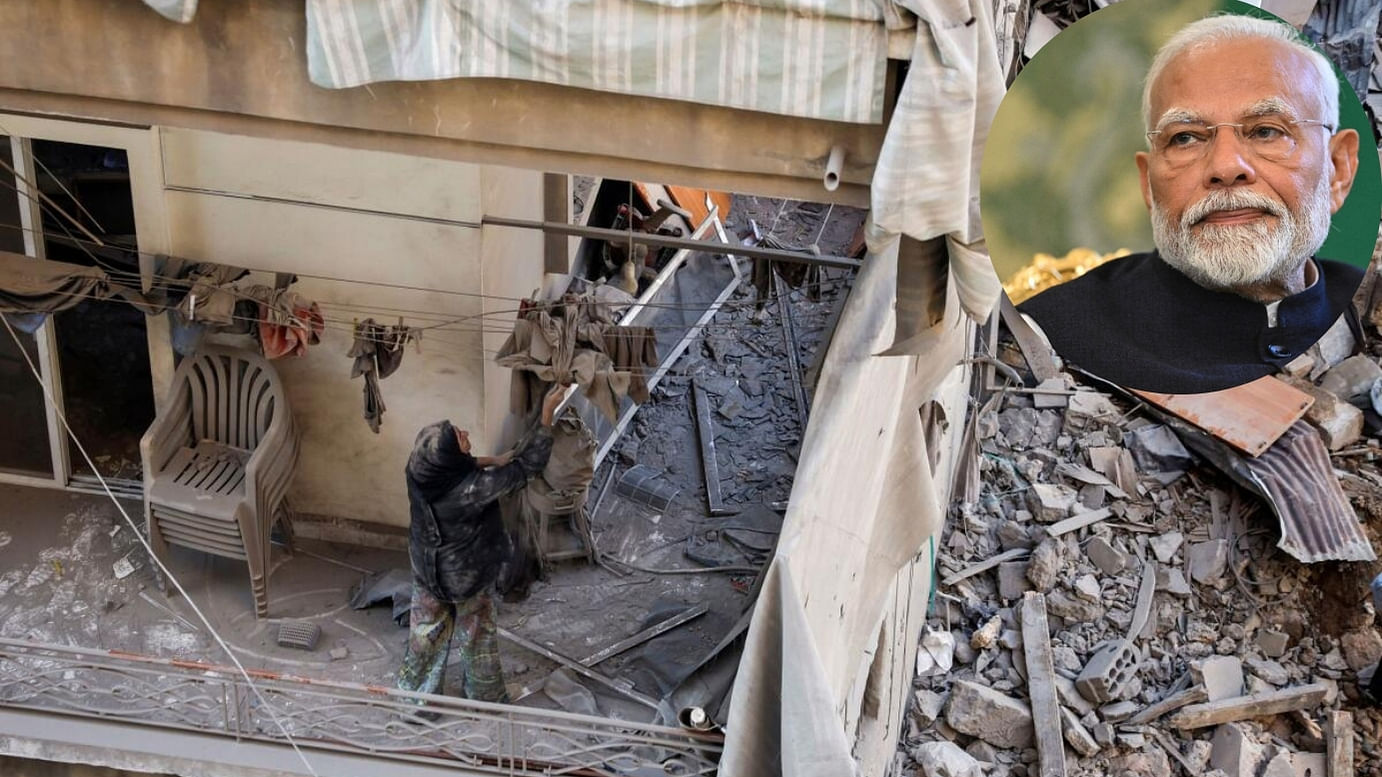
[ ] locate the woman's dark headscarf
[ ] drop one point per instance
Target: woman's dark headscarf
(437, 462)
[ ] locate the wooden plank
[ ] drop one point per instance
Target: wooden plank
(1340, 744)
(1249, 417)
(646, 634)
(1169, 704)
(1257, 705)
(1078, 521)
(705, 434)
(1041, 685)
(986, 565)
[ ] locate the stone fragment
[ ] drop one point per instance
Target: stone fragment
(1077, 735)
(1273, 643)
(1107, 558)
(1010, 639)
(1043, 568)
(1091, 404)
(1012, 579)
(1198, 755)
(1235, 751)
(1118, 711)
(1172, 581)
(339, 653)
(982, 751)
(986, 634)
(1280, 766)
(1018, 425)
(964, 654)
(1103, 733)
(1087, 587)
(1221, 676)
(1072, 609)
(928, 706)
(1361, 648)
(1070, 695)
(1268, 670)
(1208, 561)
(1166, 545)
(1131, 740)
(982, 712)
(1051, 502)
(1151, 762)
(1339, 423)
(1309, 765)
(1336, 345)
(945, 759)
(1012, 534)
(1057, 398)
(1351, 379)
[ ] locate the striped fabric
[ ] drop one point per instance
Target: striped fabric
(820, 59)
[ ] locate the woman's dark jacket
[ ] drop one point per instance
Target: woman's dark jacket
(456, 540)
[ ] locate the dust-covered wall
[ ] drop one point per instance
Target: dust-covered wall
(356, 226)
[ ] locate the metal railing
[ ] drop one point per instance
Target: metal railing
(379, 721)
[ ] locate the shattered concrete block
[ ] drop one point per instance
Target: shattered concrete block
(1208, 561)
(1132, 740)
(1087, 588)
(1269, 670)
(1091, 404)
(1072, 609)
(1012, 534)
(1361, 648)
(1107, 558)
(1118, 711)
(1043, 568)
(945, 759)
(928, 706)
(1273, 643)
(1221, 676)
(1012, 579)
(1351, 380)
(1172, 581)
(1166, 545)
(1235, 751)
(1018, 425)
(982, 712)
(1309, 764)
(1077, 735)
(1057, 398)
(1051, 502)
(1339, 423)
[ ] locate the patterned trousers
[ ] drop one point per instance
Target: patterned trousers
(432, 624)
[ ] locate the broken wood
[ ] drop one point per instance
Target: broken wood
(1078, 521)
(1252, 706)
(705, 434)
(986, 565)
(1040, 358)
(1340, 743)
(1041, 685)
(789, 337)
(1169, 704)
(646, 634)
(576, 667)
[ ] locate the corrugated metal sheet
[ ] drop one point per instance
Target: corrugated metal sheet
(1317, 522)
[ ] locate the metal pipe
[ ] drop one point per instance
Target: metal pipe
(665, 241)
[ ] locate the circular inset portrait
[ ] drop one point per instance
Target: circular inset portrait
(1182, 196)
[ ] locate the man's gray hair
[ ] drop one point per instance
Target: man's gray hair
(1216, 29)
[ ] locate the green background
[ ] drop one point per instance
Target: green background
(1058, 170)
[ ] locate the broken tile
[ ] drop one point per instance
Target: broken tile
(1166, 545)
(1221, 676)
(1208, 561)
(996, 718)
(1107, 558)
(1272, 642)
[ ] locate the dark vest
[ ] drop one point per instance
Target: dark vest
(1140, 323)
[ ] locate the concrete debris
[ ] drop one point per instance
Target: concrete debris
(946, 759)
(1241, 644)
(994, 717)
(937, 653)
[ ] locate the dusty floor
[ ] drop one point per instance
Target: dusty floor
(60, 549)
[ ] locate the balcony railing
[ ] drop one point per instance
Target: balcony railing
(360, 719)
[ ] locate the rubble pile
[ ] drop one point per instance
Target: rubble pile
(1109, 568)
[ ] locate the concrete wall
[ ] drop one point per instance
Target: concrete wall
(365, 218)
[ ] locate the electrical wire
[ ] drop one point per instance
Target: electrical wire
(168, 575)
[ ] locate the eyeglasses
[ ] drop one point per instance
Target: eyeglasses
(1271, 138)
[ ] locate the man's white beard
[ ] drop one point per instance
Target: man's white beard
(1232, 256)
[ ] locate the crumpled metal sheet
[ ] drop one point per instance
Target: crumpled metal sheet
(1296, 480)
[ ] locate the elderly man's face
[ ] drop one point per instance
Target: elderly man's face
(1233, 219)
(463, 439)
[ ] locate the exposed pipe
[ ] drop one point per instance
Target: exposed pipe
(833, 165)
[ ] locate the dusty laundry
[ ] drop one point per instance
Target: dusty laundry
(378, 352)
(288, 322)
